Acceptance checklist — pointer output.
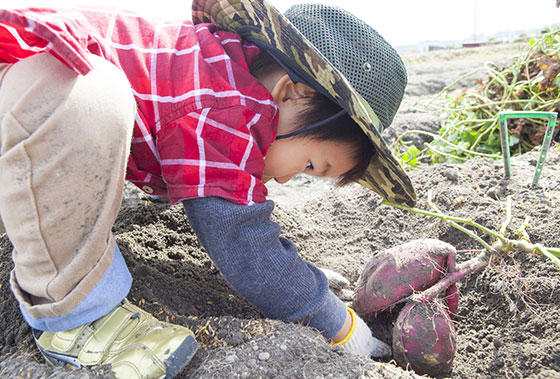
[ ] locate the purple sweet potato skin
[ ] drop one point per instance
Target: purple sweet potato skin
(396, 273)
(452, 300)
(424, 339)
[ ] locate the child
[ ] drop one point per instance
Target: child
(204, 114)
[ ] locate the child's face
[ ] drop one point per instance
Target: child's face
(291, 156)
(288, 157)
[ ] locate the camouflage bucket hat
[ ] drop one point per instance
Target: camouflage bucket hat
(338, 55)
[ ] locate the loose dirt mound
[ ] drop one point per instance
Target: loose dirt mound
(507, 325)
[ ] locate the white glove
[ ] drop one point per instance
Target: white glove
(360, 341)
(338, 284)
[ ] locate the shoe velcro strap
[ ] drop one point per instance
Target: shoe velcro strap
(136, 360)
(106, 330)
(64, 341)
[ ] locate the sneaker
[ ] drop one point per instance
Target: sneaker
(132, 341)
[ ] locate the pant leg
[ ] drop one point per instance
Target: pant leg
(65, 143)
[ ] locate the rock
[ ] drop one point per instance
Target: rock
(252, 363)
(232, 358)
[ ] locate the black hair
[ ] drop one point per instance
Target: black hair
(342, 129)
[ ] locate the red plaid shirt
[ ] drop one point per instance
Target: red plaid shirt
(203, 124)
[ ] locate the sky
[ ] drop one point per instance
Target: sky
(401, 22)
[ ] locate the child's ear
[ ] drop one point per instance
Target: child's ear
(285, 89)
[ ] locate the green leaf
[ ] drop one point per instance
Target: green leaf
(513, 139)
(409, 156)
(469, 136)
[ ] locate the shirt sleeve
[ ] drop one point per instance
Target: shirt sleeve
(64, 35)
(263, 267)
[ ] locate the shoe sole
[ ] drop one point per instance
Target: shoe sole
(181, 357)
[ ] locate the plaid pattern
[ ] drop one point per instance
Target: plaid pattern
(203, 124)
(304, 40)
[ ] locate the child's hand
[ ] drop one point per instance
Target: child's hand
(359, 340)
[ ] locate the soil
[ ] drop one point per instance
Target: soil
(507, 323)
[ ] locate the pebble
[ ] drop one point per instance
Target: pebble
(232, 358)
(252, 363)
(498, 363)
(452, 175)
(497, 285)
(236, 339)
(264, 356)
(498, 343)
(492, 193)
(283, 347)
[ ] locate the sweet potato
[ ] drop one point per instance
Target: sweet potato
(396, 273)
(452, 300)
(424, 339)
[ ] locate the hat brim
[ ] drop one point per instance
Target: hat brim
(259, 22)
